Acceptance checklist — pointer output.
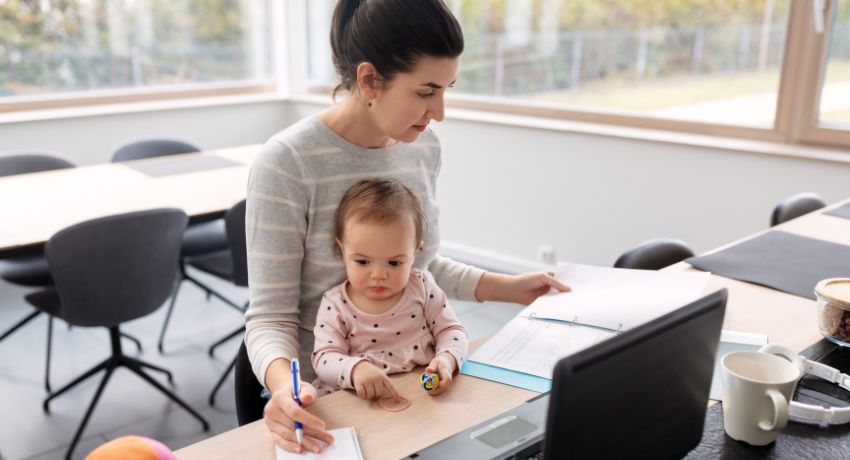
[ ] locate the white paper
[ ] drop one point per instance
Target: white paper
(534, 346)
(344, 447)
(615, 298)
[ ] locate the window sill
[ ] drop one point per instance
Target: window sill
(137, 107)
(731, 144)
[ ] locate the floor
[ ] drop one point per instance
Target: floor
(128, 404)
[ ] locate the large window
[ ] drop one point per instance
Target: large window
(834, 107)
(68, 46)
(689, 60)
(713, 67)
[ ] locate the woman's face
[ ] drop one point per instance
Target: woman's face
(404, 106)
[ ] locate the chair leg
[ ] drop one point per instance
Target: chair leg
(168, 313)
(49, 346)
(233, 334)
(212, 291)
(150, 366)
(221, 381)
(134, 340)
(103, 365)
(20, 324)
(141, 373)
(86, 417)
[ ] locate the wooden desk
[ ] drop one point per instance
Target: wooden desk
(35, 206)
(786, 319)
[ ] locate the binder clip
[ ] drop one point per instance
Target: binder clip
(429, 381)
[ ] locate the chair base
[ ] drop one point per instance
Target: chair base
(185, 276)
(222, 379)
(116, 360)
(225, 339)
(31, 317)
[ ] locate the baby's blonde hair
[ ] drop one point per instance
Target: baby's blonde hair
(381, 201)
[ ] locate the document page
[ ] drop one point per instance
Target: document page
(345, 447)
(534, 346)
(616, 298)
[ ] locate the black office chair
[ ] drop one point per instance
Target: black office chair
(654, 254)
(795, 206)
(200, 238)
(106, 272)
(230, 265)
(31, 270)
(249, 404)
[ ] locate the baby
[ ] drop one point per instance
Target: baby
(387, 317)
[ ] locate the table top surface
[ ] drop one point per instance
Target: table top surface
(786, 319)
(37, 205)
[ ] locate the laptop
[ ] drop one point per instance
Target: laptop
(641, 394)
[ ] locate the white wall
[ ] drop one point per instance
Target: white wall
(92, 139)
(506, 190)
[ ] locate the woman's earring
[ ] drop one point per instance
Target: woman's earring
(370, 104)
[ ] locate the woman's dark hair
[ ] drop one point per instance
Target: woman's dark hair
(392, 35)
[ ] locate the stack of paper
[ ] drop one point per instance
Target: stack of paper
(603, 302)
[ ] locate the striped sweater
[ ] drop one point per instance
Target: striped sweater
(294, 188)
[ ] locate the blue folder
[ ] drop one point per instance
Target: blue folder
(506, 376)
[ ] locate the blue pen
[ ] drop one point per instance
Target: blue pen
(296, 377)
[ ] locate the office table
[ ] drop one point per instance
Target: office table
(35, 206)
(786, 319)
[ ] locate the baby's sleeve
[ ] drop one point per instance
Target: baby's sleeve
(331, 361)
(450, 336)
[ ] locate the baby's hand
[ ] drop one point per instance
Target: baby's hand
(371, 383)
(444, 365)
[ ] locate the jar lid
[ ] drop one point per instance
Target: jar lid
(835, 291)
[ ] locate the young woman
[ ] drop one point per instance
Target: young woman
(395, 60)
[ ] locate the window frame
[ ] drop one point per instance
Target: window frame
(803, 68)
(802, 71)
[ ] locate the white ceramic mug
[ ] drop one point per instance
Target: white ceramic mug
(756, 390)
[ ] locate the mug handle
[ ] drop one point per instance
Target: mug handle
(780, 411)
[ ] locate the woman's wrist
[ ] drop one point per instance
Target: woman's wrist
(278, 374)
(493, 287)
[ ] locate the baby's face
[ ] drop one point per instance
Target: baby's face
(378, 257)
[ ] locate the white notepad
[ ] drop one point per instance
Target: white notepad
(345, 447)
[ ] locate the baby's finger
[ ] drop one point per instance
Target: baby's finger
(388, 385)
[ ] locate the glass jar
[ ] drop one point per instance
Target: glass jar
(834, 309)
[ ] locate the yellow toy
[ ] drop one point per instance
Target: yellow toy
(429, 381)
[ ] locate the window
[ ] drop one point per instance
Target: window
(834, 107)
(69, 46)
(740, 68)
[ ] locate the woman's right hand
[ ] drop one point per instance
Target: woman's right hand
(282, 411)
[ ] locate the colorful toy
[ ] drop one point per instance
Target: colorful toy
(132, 448)
(429, 381)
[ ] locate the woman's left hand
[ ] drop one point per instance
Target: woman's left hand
(522, 289)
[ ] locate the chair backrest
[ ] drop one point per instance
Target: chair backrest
(150, 148)
(234, 222)
(116, 268)
(30, 162)
(654, 254)
(795, 206)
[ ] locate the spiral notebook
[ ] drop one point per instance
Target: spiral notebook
(603, 302)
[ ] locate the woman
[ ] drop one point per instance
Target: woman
(395, 59)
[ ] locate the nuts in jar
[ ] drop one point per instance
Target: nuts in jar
(834, 309)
